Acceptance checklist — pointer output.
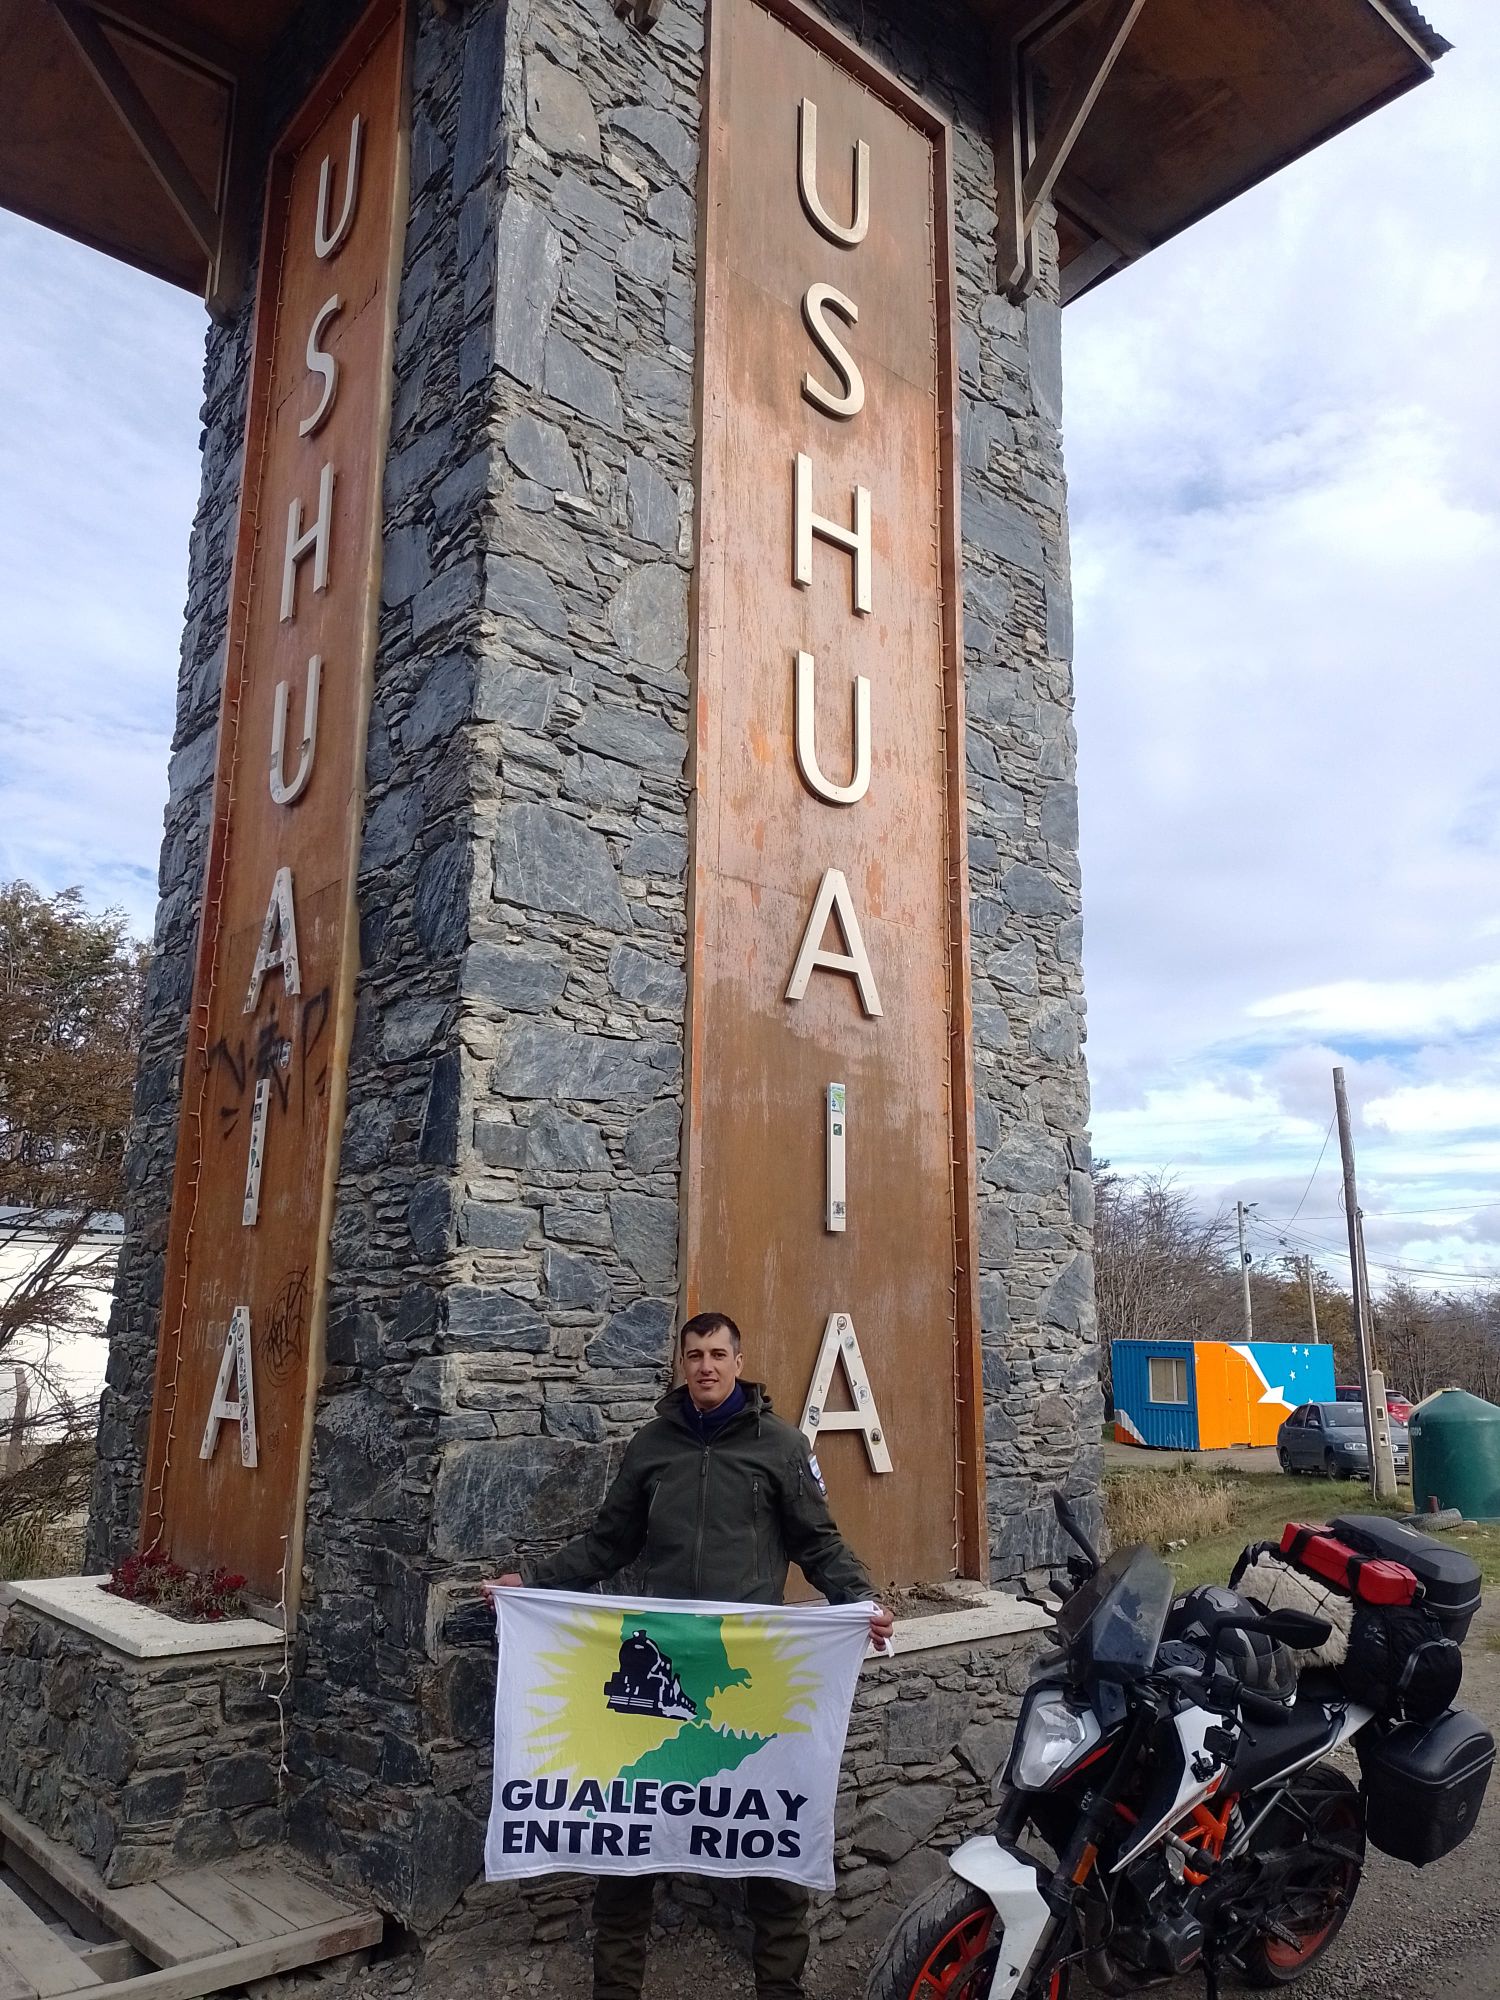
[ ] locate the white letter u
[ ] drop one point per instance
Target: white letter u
(282, 792)
(807, 182)
(807, 729)
(326, 240)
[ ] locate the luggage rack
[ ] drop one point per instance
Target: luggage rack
(193, 1932)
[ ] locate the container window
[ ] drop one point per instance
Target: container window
(1168, 1378)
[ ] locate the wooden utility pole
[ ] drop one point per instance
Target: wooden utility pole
(1371, 1383)
(1364, 1279)
(14, 1451)
(1312, 1297)
(1249, 1318)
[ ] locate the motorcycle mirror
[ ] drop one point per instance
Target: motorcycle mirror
(1298, 1629)
(1072, 1527)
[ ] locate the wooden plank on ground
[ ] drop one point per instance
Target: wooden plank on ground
(213, 1894)
(12, 1985)
(251, 1961)
(78, 1917)
(36, 1952)
(285, 1892)
(160, 1928)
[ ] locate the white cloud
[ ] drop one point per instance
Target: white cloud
(98, 481)
(1286, 509)
(1405, 1008)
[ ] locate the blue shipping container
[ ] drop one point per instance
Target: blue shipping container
(1156, 1393)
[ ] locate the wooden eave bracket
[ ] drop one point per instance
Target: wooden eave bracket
(211, 227)
(1029, 166)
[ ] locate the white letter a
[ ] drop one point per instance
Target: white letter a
(833, 899)
(278, 942)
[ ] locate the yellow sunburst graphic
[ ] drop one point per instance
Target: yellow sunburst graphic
(748, 1681)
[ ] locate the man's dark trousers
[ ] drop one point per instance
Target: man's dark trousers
(622, 1924)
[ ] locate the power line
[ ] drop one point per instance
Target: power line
(1314, 1174)
(1294, 1239)
(1458, 1208)
(1370, 1215)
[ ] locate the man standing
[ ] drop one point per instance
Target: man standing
(721, 1495)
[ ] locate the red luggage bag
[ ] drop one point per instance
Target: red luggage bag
(1367, 1579)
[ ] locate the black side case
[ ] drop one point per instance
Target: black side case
(1450, 1579)
(1424, 1784)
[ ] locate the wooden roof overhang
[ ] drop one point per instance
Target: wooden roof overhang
(1136, 118)
(123, 123)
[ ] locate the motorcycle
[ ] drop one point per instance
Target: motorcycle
(1168, 1803)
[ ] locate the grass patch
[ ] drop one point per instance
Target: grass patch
(1482, 1542)
(33, 1544)
(1216, 1512)
(1168, 1504)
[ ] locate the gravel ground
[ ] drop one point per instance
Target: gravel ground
(1413, 1935)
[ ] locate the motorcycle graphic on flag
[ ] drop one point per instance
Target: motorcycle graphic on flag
(645, 1735)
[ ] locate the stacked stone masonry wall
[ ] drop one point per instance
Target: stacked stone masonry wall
(138, 1766)
(503, 1273)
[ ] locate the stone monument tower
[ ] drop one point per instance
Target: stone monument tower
(622, 847)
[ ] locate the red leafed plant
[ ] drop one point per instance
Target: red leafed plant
(203, 1596)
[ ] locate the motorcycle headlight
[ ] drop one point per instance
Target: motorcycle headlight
(1053, 1735)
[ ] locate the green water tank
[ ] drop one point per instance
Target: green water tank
(1455, 1455)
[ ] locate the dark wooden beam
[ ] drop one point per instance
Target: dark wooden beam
(1078, 274)
(1048, 21)
(1012, 245)
(228, 266)
(1098, 217)
(152, 139)
(166, 29)
(1071, 116)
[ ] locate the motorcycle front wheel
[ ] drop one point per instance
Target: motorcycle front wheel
(940, 1948)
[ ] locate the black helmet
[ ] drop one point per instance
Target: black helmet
(1261, 1665)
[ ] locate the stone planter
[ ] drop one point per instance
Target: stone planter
(139, 1740)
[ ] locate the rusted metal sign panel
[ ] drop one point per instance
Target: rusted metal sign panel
(828, 1205)
(242, 1309)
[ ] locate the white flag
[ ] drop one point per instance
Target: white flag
(635, 1735)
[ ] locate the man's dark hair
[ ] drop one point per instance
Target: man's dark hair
(703, 1324)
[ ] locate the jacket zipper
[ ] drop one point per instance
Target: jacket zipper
(702, 1515)
(650, 1516)
(755, 1526)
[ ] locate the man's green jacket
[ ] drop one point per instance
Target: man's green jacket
(718, 1520)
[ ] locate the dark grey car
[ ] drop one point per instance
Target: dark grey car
(1330, 1438)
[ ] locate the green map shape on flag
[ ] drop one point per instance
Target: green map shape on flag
(748, 1685)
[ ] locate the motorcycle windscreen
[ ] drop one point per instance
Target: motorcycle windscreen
(1116, 1620)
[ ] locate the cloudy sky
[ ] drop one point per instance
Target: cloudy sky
(1282, 448)
(1282, 443)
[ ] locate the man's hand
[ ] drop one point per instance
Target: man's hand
(882, 1625)
(510, 1581)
